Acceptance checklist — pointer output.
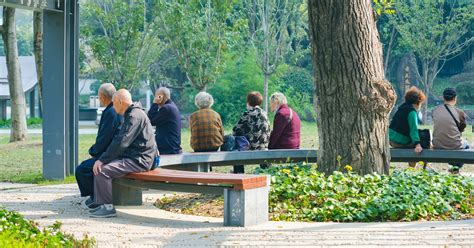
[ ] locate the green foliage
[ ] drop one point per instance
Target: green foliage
(16, 231)
(31, 122)
(199, 32)
(301, 193)
(122, 39)
(465, 93)
(298, 85)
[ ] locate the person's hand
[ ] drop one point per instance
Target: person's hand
(97, 167)
(418, 149)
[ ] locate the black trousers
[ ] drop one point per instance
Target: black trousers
(85, 177)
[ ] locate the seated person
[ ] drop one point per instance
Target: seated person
(166, 117)
(254, 125)
(286, 125)
(133, 149)
(447, 133)
(207, 132)
(108, 126)
(403, 129)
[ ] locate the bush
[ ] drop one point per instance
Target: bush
(31, 122)
(465, 92)
(16, 231)
(301, 193)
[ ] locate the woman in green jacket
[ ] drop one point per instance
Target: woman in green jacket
(403, 130)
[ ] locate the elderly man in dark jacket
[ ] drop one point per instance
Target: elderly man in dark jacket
(133, 149)
(109, 124)
(166, 117)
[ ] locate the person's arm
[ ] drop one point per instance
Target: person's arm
(105, 135)
(221, 127)
(279, 125)
(191, 124)
(413, 126)
(128, 133)
(238, 129)
(158, 116)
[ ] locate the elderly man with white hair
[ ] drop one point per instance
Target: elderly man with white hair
(207, 131)
(286, 126)
(133, 149)
(109, 125)
(164, 114)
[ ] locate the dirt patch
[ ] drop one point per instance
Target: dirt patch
(193, 204)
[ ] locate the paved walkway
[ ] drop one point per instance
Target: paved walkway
(40, 131)
(148, 226)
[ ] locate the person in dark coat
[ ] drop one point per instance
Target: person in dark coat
(109, 125)
(166, 117)
(133, 149)
(286, 125)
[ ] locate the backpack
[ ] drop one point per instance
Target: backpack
(232, 143)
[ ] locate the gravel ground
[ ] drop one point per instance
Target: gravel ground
(147, 226)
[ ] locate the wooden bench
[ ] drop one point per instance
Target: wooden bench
(245, 196)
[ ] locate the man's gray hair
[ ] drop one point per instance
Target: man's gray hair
(278, 98)
(165, 92)
(203, 100)
(108, 90)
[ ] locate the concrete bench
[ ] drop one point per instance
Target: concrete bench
(202, 161)
(245, 196)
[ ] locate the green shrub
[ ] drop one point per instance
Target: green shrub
(465, 92)
(16, 231)
(31, 122)
(301, 193)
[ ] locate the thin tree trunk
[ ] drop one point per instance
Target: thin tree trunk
(353, 98)
(17, 95)
(38, 51)
(265, 91)
(389, 52)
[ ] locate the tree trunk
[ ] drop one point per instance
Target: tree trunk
(265, 91)
(17, 95)
(353, 99)
(38, 51)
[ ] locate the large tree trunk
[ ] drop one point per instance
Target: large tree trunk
(38, 51)
(17, 96)
(352, 97)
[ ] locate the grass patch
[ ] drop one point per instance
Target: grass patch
(16, 231)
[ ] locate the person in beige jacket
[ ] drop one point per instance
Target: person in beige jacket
(447, 133)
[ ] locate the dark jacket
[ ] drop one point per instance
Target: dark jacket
(167, 120)
(134, 141)
(254, 125)
(286, 129)
(109, 125)
(405, 123)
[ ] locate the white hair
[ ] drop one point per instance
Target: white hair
(278, 98)
(165, 92)
(108, 90)
(203, 100)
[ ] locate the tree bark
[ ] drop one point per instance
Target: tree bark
(17, 96)
(353, 99)
(38, 51)
(265, 91)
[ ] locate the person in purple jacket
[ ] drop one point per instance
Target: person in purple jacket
(286, 126)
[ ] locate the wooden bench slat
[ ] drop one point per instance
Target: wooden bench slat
(239, 181)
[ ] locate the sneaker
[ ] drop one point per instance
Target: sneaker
(454, 170)
(104, 211)
(94, 207)
(87, 202)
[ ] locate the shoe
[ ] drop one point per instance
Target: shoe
(94, 207)
(104, 211)
(454, 170)
(87, 202)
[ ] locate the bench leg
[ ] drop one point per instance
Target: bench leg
(245, 207)
(126, 196)
(204, 167)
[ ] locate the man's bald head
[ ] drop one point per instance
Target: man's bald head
(122, 100)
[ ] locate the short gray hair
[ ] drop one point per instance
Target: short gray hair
(278, 98)
(203, 100)
(165, 91)
(108, 90)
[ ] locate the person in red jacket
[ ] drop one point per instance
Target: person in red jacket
(286, 126)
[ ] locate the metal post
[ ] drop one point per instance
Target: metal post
(32, 102)
(60, 89)
(3, 109)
